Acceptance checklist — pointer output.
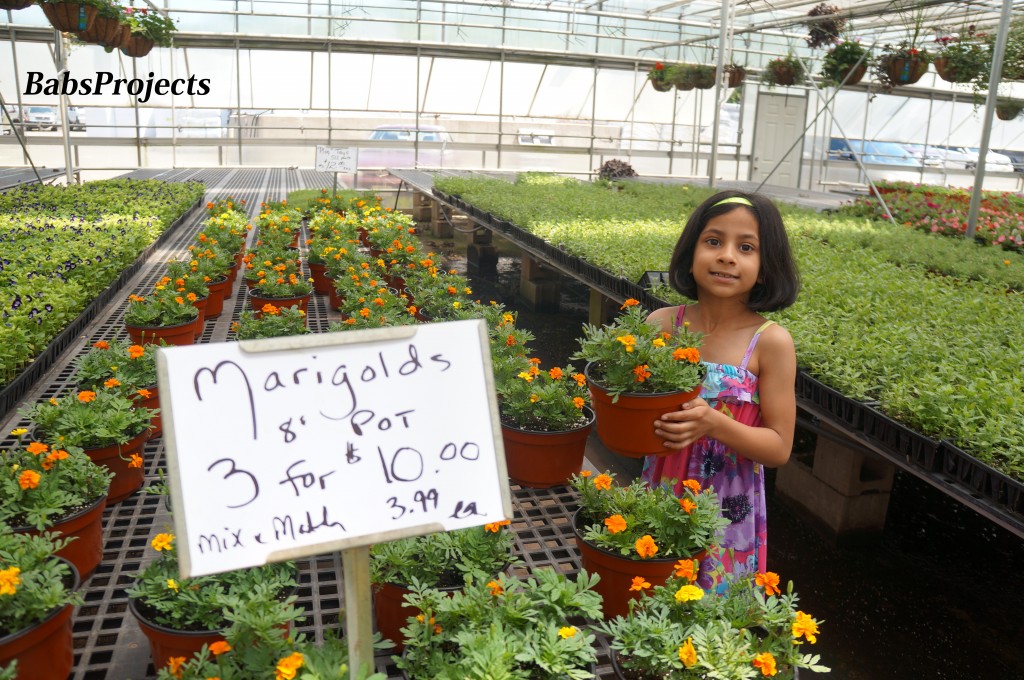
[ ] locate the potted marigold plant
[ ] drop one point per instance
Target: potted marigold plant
(505, 627)
(56, 490)
(123, 366)
(108, 426)
(444, 560)
(164, 315)
(676, 630)
(273, 322)
(178, 616)
(625, 532)
(37, 594)
(636, 374)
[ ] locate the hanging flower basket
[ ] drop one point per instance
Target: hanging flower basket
(905, 70)
(661, 85)
(1008, 109)
(137, 46)
(853, 75)
(736, 74)
(15, 4)
(69, 17)
(954, 72)
(106, 32)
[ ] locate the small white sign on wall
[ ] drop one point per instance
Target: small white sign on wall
(336, 158)
(287, 447)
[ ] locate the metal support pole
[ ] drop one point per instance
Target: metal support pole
(724, 51)
(990, 105)
(62, 65)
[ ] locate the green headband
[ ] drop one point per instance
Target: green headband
(734, 199)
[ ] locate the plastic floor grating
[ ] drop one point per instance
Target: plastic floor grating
(108, 644)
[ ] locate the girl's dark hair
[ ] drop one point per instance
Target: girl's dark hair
(779, 280)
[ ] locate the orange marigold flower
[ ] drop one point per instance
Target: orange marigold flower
(769, 580)
(686, 569)
(85, 396)
(693, 485)
(510, 341)
(691, 354)
(602, 482)
(642, 373)
(579, 402)
(687, 505)
(687, 654)
(28, 479)
(365, 313)
(630, 303)
(585, 473)
(766, 663)
(136, 461)
(136, 351)
(496, 588)
(494, 527)
(378, 301)
(288, 667)
(615, 524)
(646, 547)
(805, 626)
(35, 448)
(101, 344)
(452, 290)
(111, 382)
(556, 373)
(162, 542)
(219, 647)
(639, 584)
(580, 379)
(144, 393)
(180, 300)
(191, 297)
(174, 665)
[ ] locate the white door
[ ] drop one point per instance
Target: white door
(780, 121)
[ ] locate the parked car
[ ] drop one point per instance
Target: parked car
(76, 119)
(884, 161)
(38, 118)
(994, 162)
(1016, 157)
(402, 153)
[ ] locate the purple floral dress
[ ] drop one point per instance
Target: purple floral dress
(738, 481)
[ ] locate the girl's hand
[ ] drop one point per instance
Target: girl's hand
(681, 428)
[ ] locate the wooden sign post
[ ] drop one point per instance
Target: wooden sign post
(289, 447)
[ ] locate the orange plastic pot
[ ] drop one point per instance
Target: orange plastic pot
(626, 426)
(118, 459)
(86, 526)
(44, 651)
(541, 460)
(156, 426)
(218, 293)
(391, 611)
(165, 642)
(179, 334)
(321, 284)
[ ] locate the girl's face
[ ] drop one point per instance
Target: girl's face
(727, 260)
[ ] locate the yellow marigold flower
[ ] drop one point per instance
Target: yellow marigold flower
(805, 626)
(646, 547)
(579, 402)
(566, 632)
(658, 342)
(495, 588)
(639, 584)
(525, 376)
(172, 584)
(85, 396)
(53, 401)
(686, 569)
(18, 431)
(629, 303)
(507, 318)
(628, 341)
(615, 524)
(534, 398)
(766, 663)
(111, 383)
(602, 482)
(289, 666)
(35, 448)
(136, 351)
(29, 479)
(9, 580)
(136, 461)
(162, 542)
(769, 580)
(687, 654)
(688, 593)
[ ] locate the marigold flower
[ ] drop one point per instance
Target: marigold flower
(172, 584)
(556, 373)
(174, 665)
(9, 580)
(642, 373)
(365, 313)
(602, 482)
(180, 300)
(289, 666)
(691, 354)
(28, 479)
(35, 448)
(693, 485)
(162, 542)
(766, 663)
(85, 396)
(805, 626)
(580, 379)
(686, 569)
(639, 584)
(687, 505)
(528, 377)
(18, 431)
(579, 402)
(534, 398)
(688, 593)
(110, 383)
(615, 524)
(136, 351)
(510, 341)
(658, 342)
(567, 632)
(494, 527)
(101, 344)
(495, 588)
(144, 393)
(136, 461)
(585, 473)
(646, 547)
(687, 654)
(219, 647)
(629, 303)
(769, 580)
(628, 341)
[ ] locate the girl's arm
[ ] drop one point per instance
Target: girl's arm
(771, 443)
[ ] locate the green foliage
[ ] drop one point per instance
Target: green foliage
(88, 418)
(840, 58)
(313, 201)
(678, 529)
(445, 558)
(32, 580)
(282, 322)
(632, 355)
(506, 628)
(786, 70)
(544, 400)
(199, 603)
(151, 24)
(163, 307)
(39, 486)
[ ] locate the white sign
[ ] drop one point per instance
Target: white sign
(287, 447)
(336, 158)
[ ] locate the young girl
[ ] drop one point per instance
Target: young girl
(734, 259)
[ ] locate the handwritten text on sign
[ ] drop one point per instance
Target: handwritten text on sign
(279, 450)
(335, 158)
